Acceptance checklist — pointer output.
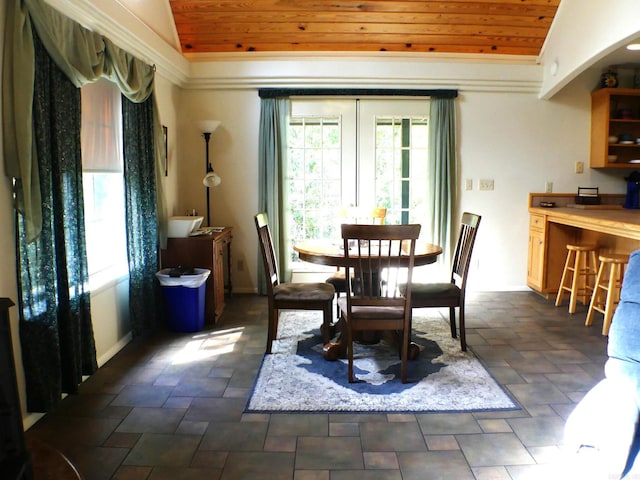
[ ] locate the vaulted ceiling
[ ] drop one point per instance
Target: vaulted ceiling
(511, 27)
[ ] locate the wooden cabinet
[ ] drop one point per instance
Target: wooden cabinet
(212, 252)
(547, 251)
(615, 112)
(536, 258)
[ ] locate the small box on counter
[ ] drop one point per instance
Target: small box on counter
(588, 196)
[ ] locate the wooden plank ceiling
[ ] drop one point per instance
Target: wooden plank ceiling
(512, 27)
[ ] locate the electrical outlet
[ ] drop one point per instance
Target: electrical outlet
(548, 187)
(485, 184)
(468, 184)
(579, 167)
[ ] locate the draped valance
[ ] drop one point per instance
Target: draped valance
(84, 56)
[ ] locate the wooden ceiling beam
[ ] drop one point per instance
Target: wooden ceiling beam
(368, 47)
(202, 21)
(364, 29)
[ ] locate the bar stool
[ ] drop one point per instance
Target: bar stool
(581, 264)
(608, 284)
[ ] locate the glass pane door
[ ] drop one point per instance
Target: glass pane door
(345, 153)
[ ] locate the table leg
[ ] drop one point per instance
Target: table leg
(336, 348)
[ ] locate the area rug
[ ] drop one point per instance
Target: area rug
(297, 378)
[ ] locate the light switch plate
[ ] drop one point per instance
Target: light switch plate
(485, 184)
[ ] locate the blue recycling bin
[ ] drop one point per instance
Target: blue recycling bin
(184, 299)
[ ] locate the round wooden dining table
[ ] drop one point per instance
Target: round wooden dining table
(331, 252)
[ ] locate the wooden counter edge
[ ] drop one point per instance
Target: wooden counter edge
(622, 223)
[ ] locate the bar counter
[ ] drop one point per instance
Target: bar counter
(611, 227)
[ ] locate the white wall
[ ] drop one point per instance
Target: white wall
(506, 133)
(583, 32)
(520, 142)
(233, 152)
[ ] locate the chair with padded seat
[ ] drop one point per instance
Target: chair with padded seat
(377, 257)
(452, 294)
(290, 296)
(357, 215)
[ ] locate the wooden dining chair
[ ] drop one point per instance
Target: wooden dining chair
(377, 258)
(452, 294)
(358, 215)
(290, 296)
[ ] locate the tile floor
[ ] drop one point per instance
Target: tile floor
(166, 409)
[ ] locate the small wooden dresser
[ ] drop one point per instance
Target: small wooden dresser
(212, 252)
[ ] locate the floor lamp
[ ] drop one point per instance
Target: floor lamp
(211, 179)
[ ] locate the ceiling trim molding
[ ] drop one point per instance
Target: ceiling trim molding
(469, 85)
(233, 72)
(388, 56)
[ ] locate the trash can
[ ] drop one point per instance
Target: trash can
(183, 293)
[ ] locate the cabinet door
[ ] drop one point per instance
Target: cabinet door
(535, 266)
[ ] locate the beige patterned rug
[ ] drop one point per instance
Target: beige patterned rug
(296, 377)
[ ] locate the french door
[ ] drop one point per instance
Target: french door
(353, 152)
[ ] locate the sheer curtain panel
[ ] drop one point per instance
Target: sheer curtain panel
(272, 144)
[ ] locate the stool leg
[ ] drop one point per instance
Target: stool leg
(563, 279)
(595, 296)
(573, 298)
(612, 297)
(595, 268)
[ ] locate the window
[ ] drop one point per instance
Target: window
(401, 167)
(313, 179)
(103, 182)
(341, 153)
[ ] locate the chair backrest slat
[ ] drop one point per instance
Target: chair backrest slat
(466, 240)
(269, 259)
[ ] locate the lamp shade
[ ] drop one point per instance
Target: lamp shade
(211, 179)
(208, 126)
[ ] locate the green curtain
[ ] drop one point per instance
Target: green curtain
(142, 230)
(272, 145)
(442, 173)
(84, 56)
(55, 323)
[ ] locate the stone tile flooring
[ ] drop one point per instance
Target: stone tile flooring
(171, 407)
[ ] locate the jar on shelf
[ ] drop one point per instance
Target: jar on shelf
(609, 79)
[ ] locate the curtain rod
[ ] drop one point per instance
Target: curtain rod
(289, 92)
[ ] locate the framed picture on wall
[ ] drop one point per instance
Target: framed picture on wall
(166, 150)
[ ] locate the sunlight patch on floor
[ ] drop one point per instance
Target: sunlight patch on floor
(208, 345)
